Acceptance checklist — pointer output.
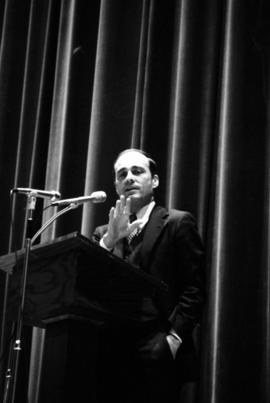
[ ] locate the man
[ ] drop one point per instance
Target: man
(157, 355)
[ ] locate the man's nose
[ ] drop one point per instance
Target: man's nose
(129, 177)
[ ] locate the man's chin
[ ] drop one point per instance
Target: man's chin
(132, 194)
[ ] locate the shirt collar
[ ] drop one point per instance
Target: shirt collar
(144, 213)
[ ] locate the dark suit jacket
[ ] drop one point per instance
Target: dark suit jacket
(172, 251)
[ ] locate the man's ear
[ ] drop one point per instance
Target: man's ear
(155, 181)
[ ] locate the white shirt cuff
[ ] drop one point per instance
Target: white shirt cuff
(102, 244)
(175, 335)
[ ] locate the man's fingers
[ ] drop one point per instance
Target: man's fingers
(117, 209)
(111, 213)
(122, 206)
(122, 203)
(127, 207)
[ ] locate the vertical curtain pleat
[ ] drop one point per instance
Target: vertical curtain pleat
(59, 104)
(6, 278)
(142, 89)
(11, 129)
(40, 87)
(176, 119)
(23, 106)
(262, 42)
(265, 394)
(195, 43)
(266, 290)
(113, 101)
(220, 215)
(210, 46)
(96, 116)
(54, 165)
(236, 281)
(21, 146)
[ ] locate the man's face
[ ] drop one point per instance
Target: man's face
(133, 179)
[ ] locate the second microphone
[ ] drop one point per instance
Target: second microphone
(95, 197)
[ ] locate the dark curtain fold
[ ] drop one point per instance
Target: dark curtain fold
(186, 80)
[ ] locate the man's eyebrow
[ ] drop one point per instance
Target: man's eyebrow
(121, 170)
(132, 167)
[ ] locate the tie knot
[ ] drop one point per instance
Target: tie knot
(132, 217)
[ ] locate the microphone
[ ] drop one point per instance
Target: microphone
(95, 197)
(52, 194)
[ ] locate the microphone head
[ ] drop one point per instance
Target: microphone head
(99, 196)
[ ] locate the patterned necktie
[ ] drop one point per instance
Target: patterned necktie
(132, 218)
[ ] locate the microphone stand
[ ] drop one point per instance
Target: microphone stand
(15, 345)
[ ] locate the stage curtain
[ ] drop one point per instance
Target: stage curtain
(188, 82)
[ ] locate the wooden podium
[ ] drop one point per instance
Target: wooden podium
(75, 287)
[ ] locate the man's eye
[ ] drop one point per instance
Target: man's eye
(137, 171)
(122, 175)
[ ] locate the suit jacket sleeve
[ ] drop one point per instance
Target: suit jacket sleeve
(188, 293)
(98, 233)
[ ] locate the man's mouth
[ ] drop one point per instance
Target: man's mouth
(131, 189)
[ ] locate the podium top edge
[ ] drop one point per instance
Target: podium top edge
(73, 241)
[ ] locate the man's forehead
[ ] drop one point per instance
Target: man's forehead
(129, 159)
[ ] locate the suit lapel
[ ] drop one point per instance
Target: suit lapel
(157, 221)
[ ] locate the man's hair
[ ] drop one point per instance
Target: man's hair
(152, 164)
